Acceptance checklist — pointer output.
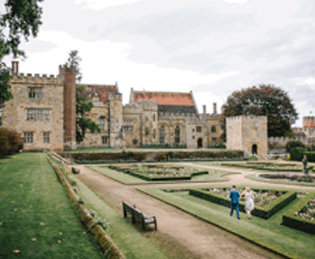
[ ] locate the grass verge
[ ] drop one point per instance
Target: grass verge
(37, 219)
(266, 233)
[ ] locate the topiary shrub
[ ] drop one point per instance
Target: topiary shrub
(297, 153)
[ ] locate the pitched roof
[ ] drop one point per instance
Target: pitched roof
(310, 123)
(102, 90)
(166, 98)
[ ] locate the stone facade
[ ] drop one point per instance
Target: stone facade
(248, 133)
(36, 111)
(150, 118)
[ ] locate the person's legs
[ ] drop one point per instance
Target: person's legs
(232, 208)
(237, 211)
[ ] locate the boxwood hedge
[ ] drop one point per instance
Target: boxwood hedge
(262, 212)
(155, 178)
(290, 220)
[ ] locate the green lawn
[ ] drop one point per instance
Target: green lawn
(267, 233)
(36, 217)
(213, 176)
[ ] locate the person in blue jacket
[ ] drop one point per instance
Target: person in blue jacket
(234, 195)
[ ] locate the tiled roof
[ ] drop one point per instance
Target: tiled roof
(102, 90)
(310, 123)
(166, 98)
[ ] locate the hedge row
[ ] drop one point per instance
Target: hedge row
(292, 221)
(106, 243)
(262, 212)
(298, 153)
(156, 178)
(157, 156)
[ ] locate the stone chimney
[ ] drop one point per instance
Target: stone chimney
(214, 108)
(15, 67)
(204, 111)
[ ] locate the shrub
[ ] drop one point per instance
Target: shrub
(297, 153)
(310, 156)
(160, 157)
(293, 144)
(10, 142)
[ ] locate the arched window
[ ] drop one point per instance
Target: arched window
(154, 117)
(162, 134)
(102, 123)
(177, 135)
(154, 132)
(213, 129)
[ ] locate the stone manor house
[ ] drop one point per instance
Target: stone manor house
(43, 110)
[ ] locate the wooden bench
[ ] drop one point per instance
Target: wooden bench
(138, 216)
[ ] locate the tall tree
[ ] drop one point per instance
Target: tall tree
(267, 100)
(83, 106)
(22, 18)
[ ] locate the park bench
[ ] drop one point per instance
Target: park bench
(75, 170)
(138, 216)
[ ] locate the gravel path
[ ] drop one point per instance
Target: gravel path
(194, 237)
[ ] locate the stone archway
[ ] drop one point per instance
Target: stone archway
(254, 149)
(199, 143)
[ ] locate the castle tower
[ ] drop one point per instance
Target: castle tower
(248, 133)
(116, 137)
(68, 74)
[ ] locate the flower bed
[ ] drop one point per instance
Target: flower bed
(269, 166)
(159, 172)
(269, 205)
(301, 214)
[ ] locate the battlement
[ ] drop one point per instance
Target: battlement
(246, 117)
(37, 79)
(64, 69)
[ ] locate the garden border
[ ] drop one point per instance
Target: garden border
(292, 221)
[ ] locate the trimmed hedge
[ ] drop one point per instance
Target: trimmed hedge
(156, 178)
(114, 157)
(262, 212)
(292, 221)
(297, 153)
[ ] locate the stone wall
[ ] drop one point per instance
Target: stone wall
(15, 110)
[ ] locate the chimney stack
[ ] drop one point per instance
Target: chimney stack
(214, 108)
(15, 67)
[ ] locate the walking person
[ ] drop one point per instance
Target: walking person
(234, 195)
(249, 201)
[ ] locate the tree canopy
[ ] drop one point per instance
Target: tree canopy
(266, 100)
(22, 18)
(83, 106)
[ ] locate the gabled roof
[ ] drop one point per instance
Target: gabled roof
(166, 98)
(310, 123)
(102, 90)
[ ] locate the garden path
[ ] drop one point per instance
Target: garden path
(193, 237)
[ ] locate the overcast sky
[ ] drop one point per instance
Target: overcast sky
(212, 47)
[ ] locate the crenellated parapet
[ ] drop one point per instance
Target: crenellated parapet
(37, 79)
